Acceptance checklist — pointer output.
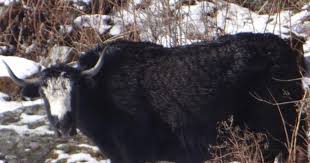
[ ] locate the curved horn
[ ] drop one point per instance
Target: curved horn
(18, 81)
(73, 64)
(94, 70)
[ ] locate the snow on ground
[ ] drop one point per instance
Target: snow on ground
(25, 118)
(81, 1)
(23, 130)
(3, 96)
(98, 22)
(76, 157)
(188, 22)
(94, 148)
(20, 66)
(204, 19)
(21, 126)
(12, 106)
(8, 2)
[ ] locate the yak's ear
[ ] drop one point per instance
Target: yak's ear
(31, 91)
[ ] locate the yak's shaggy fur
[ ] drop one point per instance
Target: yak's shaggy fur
(153, 103)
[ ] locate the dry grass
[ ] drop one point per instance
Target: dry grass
(34, 26)
(238, 145)
(243, 145)
(270, 6)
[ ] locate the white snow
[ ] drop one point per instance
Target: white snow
(76, 157)
(94, 148)
(24, 130)
(117, 29)
(8, 2)
(31, 48)
(206, 19)
(20, 66)
(6, 106)
(98, 22)
(3, 96)
(84, 157)
(26, 119)
(84, 1)
(65, 29)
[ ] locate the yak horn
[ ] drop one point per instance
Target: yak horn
(73, 64)
(94, 70)
(18, 81)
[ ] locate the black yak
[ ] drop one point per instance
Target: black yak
(142, 102)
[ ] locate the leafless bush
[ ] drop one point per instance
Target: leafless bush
(33, 26)
(244, 145)
(237, 144)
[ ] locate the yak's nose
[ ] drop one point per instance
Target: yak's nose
(64, 127)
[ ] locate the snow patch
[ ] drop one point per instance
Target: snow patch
(191, 23)
(8, 2)
(6, 106)
(79, 157)
(117, 29)
(82, 1)
(76, 157)
(94, 148)
(21, 67)
(26, 119)
(3, 96)
(100, 23)
(66, 29)
(24, 130)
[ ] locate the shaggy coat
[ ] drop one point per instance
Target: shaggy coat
(154, 103)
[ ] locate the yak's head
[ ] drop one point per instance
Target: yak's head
(58, 86)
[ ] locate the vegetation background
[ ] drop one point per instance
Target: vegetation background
(38, 29)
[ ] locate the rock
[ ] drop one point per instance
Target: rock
(30, 148)
(9, 117)
(2, 156)
(4, 97)
(10, 88)
(34, 145)
(8, 49)
(35, 110)
(8, 140)
(58, 54)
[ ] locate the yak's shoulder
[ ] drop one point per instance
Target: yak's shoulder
(243, 38)
(116, 51)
